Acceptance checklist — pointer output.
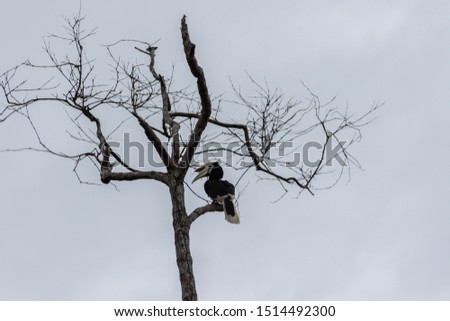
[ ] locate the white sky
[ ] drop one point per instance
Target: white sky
(383, 236)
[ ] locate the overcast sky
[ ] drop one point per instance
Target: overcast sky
(383, 236)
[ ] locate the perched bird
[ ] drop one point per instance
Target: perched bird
(219, 190)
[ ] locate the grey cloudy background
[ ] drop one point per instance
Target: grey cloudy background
(383, 236)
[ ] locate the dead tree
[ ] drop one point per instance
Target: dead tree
(174, 122)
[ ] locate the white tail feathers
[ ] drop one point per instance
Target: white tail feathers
(230, 210)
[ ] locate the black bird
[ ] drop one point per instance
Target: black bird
(219, 190)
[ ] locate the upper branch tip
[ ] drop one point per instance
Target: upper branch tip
(151, 48)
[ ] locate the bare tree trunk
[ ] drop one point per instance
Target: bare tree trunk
(181, 227)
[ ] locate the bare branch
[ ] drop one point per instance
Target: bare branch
(151, 135)
(214, 207)
(205, 112)
(173, 125)
(82, 95)
(131, 176)
(193, 192)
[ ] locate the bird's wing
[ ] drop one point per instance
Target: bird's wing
(229, 187)
(215, 188)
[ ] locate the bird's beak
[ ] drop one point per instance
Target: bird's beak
(202, 172)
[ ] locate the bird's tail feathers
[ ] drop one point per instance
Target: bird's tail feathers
(230, 209)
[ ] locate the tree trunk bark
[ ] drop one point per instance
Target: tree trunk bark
(181, 229)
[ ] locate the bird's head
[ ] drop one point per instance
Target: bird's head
(205, 169)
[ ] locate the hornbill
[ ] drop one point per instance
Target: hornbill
(219, 190)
